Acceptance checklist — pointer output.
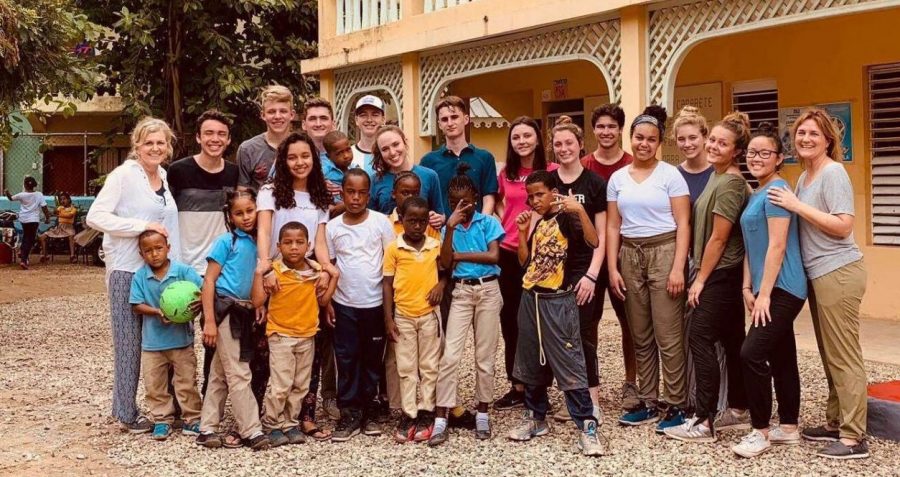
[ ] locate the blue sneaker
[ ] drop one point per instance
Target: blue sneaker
(161, 431)
(674, 417)
(640, 416)
(192, 429)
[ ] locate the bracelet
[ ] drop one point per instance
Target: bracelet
(747, 288)
(592, 279)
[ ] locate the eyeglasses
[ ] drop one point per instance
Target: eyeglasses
(762, 153)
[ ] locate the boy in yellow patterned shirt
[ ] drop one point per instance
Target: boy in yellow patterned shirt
(292, 323)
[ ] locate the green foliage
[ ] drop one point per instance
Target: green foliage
(176, 58)
(37, 58)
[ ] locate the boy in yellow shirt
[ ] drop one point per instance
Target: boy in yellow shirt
(411, 283)
(292, 322)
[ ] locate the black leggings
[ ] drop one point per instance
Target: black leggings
(511, 274)
(718, 317)
(771, 352)
(29, 235)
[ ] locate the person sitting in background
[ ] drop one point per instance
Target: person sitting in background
(65, 227)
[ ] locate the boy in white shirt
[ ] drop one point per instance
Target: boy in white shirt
(357, 239)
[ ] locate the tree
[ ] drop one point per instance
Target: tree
(39, 59)
(176, 58)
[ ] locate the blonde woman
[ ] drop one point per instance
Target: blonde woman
(690, 130)
(134, 198)
(837, 275)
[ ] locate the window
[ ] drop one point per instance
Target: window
(759, 100)
(884, 130)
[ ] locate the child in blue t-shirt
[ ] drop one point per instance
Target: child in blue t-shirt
(471, 249)
(163, 343)
(228, 327)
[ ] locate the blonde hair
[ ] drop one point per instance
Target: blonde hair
(564, 123)
(690, 116)
(738, 123)
(149, 125)
(275, 93)
(826, 123)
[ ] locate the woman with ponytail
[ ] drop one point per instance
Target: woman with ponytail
(715, 294)
(647, 241)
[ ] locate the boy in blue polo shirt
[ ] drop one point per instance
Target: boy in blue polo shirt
(453, 116)
(471, 248)
(163, 343)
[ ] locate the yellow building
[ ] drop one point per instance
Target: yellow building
(548, 57)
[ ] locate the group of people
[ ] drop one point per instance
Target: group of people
(345, 266)
(31, 204)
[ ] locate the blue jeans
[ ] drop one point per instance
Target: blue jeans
(359, 353)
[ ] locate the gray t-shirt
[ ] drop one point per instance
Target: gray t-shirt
(254, 157)
(831, 192)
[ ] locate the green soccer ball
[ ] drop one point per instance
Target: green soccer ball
(175, 301)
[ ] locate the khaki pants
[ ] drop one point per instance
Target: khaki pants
(290, 364)
(155, 368)
(834, 301)
(229, 377)
(391, 377)
(655, 318)
(418, 353)
(478, 306)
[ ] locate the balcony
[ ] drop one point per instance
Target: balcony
(356, 15)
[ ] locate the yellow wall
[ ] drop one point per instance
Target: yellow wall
(812, 66)
(519, 92)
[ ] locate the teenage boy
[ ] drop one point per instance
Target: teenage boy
(198, 183)
(368, 117)
(549, 344)
(357, 240)
(256, 156)
(607, 122)
(453, 117)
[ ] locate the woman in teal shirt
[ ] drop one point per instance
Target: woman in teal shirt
(774, 291)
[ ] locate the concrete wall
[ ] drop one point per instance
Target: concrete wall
(813, 63)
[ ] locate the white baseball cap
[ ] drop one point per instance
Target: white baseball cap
(369, 100)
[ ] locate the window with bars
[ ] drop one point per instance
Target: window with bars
(884, 131)
(759, 100)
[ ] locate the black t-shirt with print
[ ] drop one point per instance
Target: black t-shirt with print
(556, 245)
(590, 190)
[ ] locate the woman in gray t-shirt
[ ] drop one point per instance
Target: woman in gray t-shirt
(833, 263)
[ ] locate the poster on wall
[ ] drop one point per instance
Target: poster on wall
(705, 97)
(840, 113)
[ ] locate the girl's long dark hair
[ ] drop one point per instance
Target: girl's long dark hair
(230, 197)
(283, 182)
(513, 160)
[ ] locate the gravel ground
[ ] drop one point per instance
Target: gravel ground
(55, 398)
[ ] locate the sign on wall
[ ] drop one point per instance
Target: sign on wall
(561, 88)
(705, 97)
(841, 115)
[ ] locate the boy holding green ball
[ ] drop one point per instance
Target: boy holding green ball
(163, 343)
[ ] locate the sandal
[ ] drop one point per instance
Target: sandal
(318, 434)
(232, 440)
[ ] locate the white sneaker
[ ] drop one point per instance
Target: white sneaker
(778, 436)
(589, 442)
(690, 431)
(728, 420)
(752, 445)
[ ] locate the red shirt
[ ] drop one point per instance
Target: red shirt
(605, 171)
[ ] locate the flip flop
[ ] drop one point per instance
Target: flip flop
(232, 440)
(317, 434)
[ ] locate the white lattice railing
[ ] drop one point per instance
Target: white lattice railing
(433, 5)
(355, 15)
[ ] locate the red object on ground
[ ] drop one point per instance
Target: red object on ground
(6, 254)
(889, 391)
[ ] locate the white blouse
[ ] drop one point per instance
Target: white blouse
(122, 210)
